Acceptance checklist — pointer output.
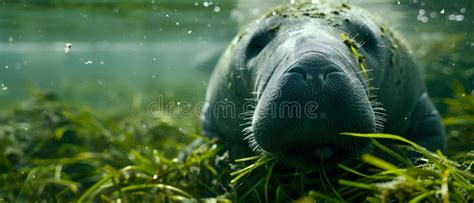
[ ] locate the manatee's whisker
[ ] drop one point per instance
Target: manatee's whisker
(377, 107)
(360, 44)
(373, 88)
(353, 38)
(253, 92)
(374, 102)
(246, 123)
(248, 130)
(247, 114)
(369, 80)
(380, 119)
(251, 98)
(362, 72)
(253, 144)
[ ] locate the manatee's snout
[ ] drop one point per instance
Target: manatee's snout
(306, 106)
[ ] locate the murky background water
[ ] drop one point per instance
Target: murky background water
(127, 53)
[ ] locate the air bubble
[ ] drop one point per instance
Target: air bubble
(3, 87)
(67, 47)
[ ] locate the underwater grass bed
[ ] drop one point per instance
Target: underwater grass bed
(52, 152)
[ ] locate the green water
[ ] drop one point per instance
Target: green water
(120, 51)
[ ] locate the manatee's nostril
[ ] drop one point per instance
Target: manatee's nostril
(326, 74)
(309, 74)
(301, 72)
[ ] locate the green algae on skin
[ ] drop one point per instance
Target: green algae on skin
(352, 45)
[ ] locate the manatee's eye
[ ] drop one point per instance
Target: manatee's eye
(259, 40)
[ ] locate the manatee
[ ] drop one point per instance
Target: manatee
(293, 80)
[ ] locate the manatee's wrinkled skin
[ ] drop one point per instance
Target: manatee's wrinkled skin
(334, 65)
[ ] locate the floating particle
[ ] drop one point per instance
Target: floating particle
(190, 31)
(102, 62)
(67, 47)
(205, 4)
(452, 17)
(217, 9)
(442, 11)
(6, 67)
(292, 1)
(177, 23)
(3, 87)
(89, 62)
(256, 11)
(153, 76)
(196, 3)
(10, 39)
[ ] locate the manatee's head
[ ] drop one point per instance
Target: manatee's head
(309, 87)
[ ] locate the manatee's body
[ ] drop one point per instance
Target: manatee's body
(296, 78)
